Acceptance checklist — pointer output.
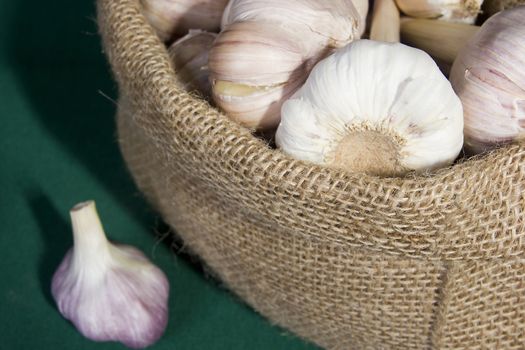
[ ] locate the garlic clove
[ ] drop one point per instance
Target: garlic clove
(110, 292)
(489, 77)
(256, 108)
(442, 40)
(189, 55)
(464, 11)
(380, 108)
(172, 18)
(385, 21)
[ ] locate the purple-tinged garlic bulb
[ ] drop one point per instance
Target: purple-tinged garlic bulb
(110, 292)
(489, 77)
(267, 48)
(189, 55)
(173, 18)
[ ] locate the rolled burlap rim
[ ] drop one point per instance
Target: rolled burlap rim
(345, 260)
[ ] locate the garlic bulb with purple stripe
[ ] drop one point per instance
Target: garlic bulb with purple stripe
(110, 292)
(489, 77)
(267, 48)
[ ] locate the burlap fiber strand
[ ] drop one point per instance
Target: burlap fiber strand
(345, 260)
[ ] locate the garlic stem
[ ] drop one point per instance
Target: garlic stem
(90, 242)
(385, 21)
(441, 40)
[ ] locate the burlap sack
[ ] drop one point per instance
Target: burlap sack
(345, 260)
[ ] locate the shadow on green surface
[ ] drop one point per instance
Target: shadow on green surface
(63, 74)
(65, 77)
(53, 229)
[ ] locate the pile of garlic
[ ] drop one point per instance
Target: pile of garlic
(300, 68)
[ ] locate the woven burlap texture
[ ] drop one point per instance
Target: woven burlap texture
(345, 260)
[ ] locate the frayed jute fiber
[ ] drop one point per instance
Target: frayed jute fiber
(345, 260)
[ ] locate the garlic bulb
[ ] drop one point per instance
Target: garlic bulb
(189, 55)
(441, 40)
(491, 7)
(464, 11)
(489, 77)
(266, 50)
(109, 291)
(374, 107)
(172, 18)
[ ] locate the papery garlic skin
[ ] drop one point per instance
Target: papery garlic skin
(489, 77)
(172, 18)
(339, 21)
(465, 11)
(267, 49)
(110, 292)
(189, 55)
(380, 108)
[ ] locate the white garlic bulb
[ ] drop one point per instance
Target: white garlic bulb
(172, 18)
(464, 11)
(189, 55)
(489, 77)
(266, 50)
(374, 107)
(110, 292)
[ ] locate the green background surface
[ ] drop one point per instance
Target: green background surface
(58, 147)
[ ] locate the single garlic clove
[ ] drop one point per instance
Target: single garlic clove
(379, 108)
(489, 77)
(189, 55)
(109, 292)
(172, 18)
(385, 21)
(464, 11)
(441, 40)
